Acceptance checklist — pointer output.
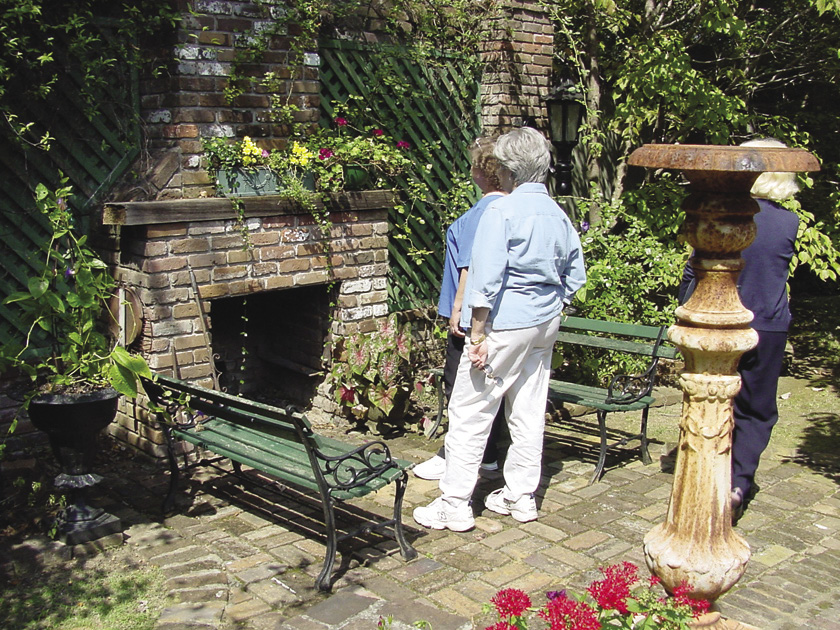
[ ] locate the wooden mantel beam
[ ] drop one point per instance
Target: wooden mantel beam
(220, 209)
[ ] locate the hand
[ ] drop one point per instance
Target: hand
(455, 324)
(478, 354)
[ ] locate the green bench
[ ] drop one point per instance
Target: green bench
(282, 444)
(624, 392)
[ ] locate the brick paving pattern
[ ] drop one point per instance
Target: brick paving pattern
(242, 559)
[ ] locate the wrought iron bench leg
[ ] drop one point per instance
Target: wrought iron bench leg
(174, 471)
(323, 581)
(408, 552)
(432, 431)
(644, 446)
(602, 457)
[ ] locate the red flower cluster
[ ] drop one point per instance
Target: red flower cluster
(402, 144)
(511, 602)
(563, 613)
(341, 122)
(378, 132)
(612, 600)
(325, 154)
(698, 606)
(612, 592)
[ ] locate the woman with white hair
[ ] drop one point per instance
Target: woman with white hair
(526, 265)
(762, 287)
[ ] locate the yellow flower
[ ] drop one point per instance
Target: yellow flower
(251, 153)
(300, 155)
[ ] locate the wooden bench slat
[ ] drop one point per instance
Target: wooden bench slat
(257, 449)
(615, 345)
(611, 328)
(589, 396)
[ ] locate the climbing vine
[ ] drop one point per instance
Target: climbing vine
(42, 40)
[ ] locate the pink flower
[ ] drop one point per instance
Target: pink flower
(341, 122)
(698, 606)
(325, 154)
(402, 144)
(612, 592)
(511, 602)
(563, 613)
(264, 153)
(378, 132)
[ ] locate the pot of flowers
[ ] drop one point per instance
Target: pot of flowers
(77, 371)
(332, 159)
(242, 169)
(356, 159)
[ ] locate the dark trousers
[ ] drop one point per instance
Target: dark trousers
(454, 350)
(755, 409)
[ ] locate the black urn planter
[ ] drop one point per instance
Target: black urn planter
(72, 422)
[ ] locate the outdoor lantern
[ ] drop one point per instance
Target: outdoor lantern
(564, 113)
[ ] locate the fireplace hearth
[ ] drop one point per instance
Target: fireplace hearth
(255, 320)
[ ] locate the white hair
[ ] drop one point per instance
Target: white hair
(775, 186)
(525, 153)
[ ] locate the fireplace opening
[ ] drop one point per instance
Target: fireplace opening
(271, 346)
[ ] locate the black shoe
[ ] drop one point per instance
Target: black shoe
(738, 504)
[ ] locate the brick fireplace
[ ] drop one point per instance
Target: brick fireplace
(269, 309)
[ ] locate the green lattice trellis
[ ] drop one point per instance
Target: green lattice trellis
(92, 146)
(431, 101)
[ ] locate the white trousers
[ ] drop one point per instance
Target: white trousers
(522, 359)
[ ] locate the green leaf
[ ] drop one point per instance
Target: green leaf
(123, 380)
(37, 287)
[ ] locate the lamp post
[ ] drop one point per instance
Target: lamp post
(564, 114)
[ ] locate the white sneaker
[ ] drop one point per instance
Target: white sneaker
(431, 469)
(523, 509)
(438, 515)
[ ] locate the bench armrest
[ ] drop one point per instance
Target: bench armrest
(357, 467)
(627, 389)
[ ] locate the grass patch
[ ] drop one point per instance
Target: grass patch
(117, 592)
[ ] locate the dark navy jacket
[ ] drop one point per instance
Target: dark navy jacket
(762, 284)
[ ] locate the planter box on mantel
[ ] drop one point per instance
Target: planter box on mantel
(253, 182)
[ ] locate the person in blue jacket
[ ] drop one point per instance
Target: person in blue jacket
(762, 287)
(459, 243)
(527, 263)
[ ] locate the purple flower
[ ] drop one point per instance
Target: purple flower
(555, 594)
(378, 132)
(70, 272)
(584, 226)
(341, 122)
(402, 144)
(325, 154)
(61, 203)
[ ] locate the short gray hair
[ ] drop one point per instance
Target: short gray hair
(775, 186)
(525, 153)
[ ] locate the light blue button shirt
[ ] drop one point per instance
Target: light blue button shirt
(459, 244)
(526, 262)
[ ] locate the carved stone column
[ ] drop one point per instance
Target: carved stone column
(696, 543)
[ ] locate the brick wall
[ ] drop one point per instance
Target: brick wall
(189, 102)
(517, 59)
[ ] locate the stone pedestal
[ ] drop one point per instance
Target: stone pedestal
(696, 543)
